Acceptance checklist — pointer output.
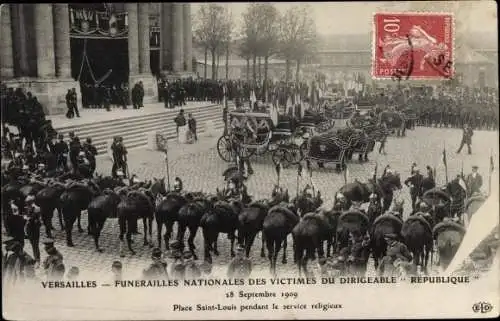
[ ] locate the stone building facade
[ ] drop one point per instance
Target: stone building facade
(35, 47)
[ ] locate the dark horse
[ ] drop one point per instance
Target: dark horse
(167, 213)
(133, 206)
(417, 233)
(99, 209)
(222, 218)
(73, 201)
(189, 217)
(382, 187)
(279, 222)
(48, 199)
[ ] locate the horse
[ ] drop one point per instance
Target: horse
(73, 201)
(417, 234)
(308, 236)
(48, 199)
(189, 217)
(133, 206)
(222, 218)
(382, 187)
(100, 208)
(251, 219)
(279, 222)
(167, 213)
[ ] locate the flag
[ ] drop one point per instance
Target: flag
(462, 184)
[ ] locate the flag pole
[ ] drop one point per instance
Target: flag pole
(490, 173)
(445, 162)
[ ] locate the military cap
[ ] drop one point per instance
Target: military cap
(475, 167)
(116, 265)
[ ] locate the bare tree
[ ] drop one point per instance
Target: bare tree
(261, 35)
(212, 30)
(297, 37)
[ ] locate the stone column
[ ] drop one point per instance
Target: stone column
(21, 66)
(177, 38)
(6, 49)
(166, 36)
(144, 51)
(188, 37)
(44, 35)
(133, 39)
(61, 40)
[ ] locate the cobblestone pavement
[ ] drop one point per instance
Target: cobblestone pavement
(200, 168)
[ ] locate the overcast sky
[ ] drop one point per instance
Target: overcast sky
(355, 17)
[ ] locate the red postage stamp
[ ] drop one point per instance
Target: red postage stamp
(412, 46)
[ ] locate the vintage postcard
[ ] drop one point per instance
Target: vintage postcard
(196, 161)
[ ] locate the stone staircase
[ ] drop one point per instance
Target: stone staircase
(134, 130)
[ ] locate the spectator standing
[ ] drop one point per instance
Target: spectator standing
(192, 126)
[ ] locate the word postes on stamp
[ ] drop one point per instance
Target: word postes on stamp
(412, 45)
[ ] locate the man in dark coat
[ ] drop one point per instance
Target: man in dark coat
(474, 182)
(396, 251)
(74, 150)
(415, 184)
(192, 126)
(119, 157)
(32, 214)
(466, 139)
(90, 154)
(61, 151)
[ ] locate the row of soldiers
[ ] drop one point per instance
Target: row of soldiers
(51, 158)
(23, 110)
(105, 96)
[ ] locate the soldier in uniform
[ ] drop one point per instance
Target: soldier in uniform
(424, 211)
(466, 139)
(415, 184)
(33, 218)
(84, 166)
(53, 259)
(396, 252)
(374, 208)
(74, 150)
(158, 268)
(178, 186)
(474, 182)
(90, 154)
(119, 156)
(240, 266)
(15, 223)
(61, 151)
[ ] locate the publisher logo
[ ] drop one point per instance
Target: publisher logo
(482, 307)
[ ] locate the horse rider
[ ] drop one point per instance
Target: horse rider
(415, 184)
(157, 270)
(33, 217)
(53, 259)
(240, 266)
(340, 202)
(424, 212)
(374, 207)
(428, 182)
(474, 182)
(396, 253)
(178, 186)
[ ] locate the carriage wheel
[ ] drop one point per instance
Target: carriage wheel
(224, 148)
(280, 156)
(294, 155)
